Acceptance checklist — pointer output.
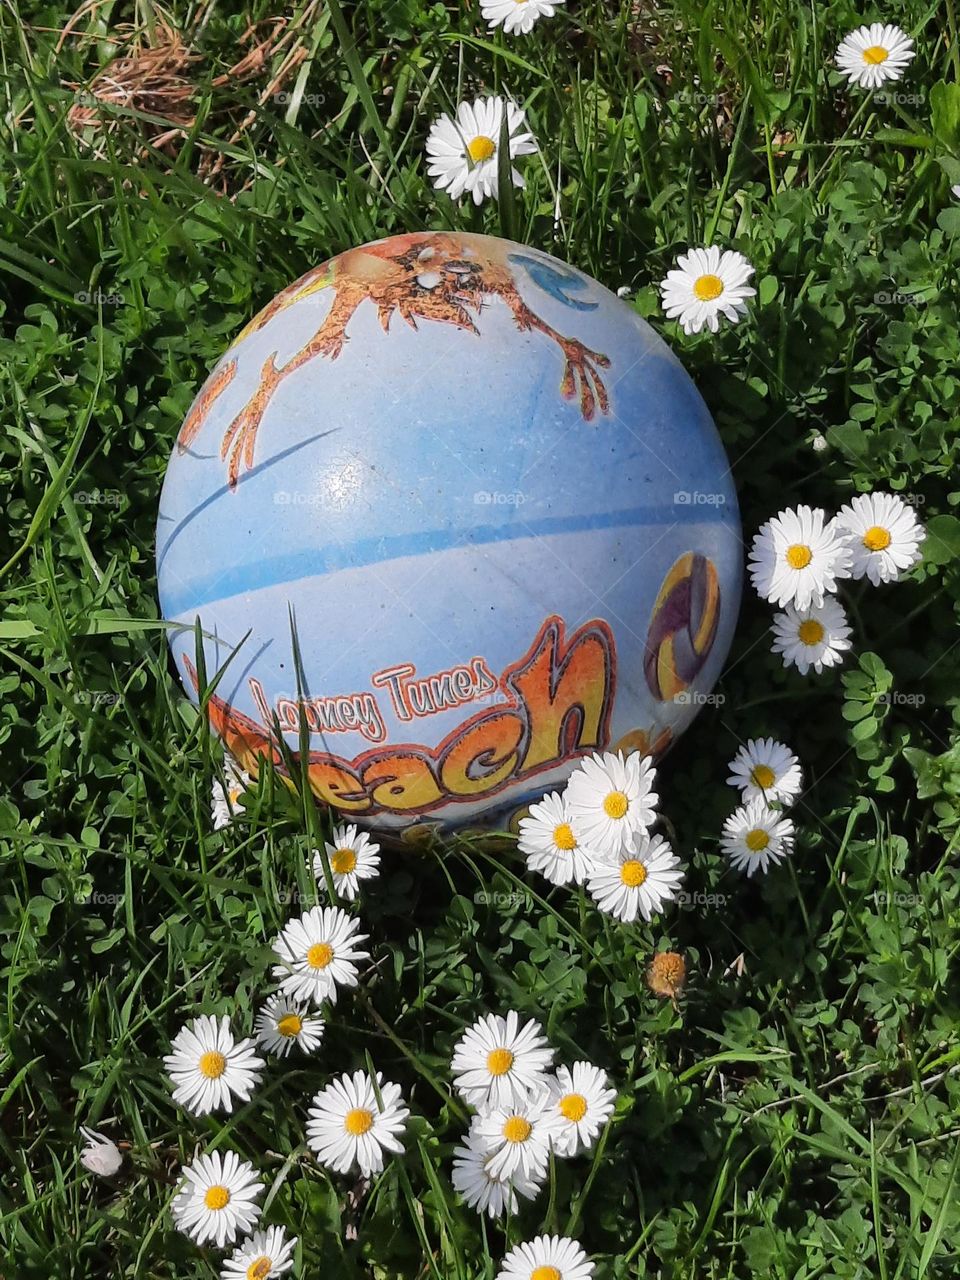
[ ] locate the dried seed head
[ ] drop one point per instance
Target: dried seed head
(666, 974)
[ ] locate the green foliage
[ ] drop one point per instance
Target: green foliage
(795, 1115)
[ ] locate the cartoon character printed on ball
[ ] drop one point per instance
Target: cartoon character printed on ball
(431, 276)
(683, 625)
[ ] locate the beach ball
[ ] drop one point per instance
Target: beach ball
(450, 517)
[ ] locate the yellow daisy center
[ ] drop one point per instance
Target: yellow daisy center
(563, 836)
(875, 55)
(615, 804)
(877, 539)
(212, 1064)
(499, 1061)
(319, 955)
(233, 795)
(633, 873)
(545, 1273)
(358, 1121)
(707, 288)
(260, 1268)
(481, 148)
(573, 1107)
(517, 1129)
(290, 1025)
(217, 1197)
(761, 775)
(343, 862)
(810, 631)
(757, 840)
(799, 555)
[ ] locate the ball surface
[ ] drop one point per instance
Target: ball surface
(489, 503)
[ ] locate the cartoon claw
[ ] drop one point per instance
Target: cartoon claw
(214, 387)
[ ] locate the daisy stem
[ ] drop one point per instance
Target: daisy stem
(574, 1220)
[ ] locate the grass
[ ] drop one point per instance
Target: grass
(795, 1116)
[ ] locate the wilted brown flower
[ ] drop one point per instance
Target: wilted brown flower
(666, 974)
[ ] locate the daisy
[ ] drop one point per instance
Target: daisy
(583, 1102)
(754, 836)
(462, 153)
(348, 1125)
(610, 798)
(705, 285)
(473, 1180)
(224, 800)
(517, 15)
(546, 1258)
(797, 557)
(207, 1066)
(282, 1023)
(318, 953)
(353, 857)
(884, 536)
(100, 1155)
(518, 1137)
(816, 637)
(549, 841)
(218, 1200)
(266, 1254)
(766, 769)
(497, 1061)
(872, 55)
(645, 875)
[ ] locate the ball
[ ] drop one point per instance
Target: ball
(450, 516)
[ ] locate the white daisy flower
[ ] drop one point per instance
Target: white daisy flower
(583, 1102)
(224, 805)
(283, 1023)
(480, 1190)
(517, 15)
(705, 285)
(353, 857)
(755, 836)
(610, 798)
(548, 840)
(218, 1200)
(798, 556)
(766, 770)
(207, 1066)
(318, 954)
(884, 536)
(870, 56)
(100, 1155)
(497, 1061)
(462, 153)
(645, 875)
(265, 1255)
(546, 1258)
(348, 1126)
(518, 1136)
(816, 637)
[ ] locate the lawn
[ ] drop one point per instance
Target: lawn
(793, 1112)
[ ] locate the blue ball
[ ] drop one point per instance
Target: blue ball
(491, 503)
